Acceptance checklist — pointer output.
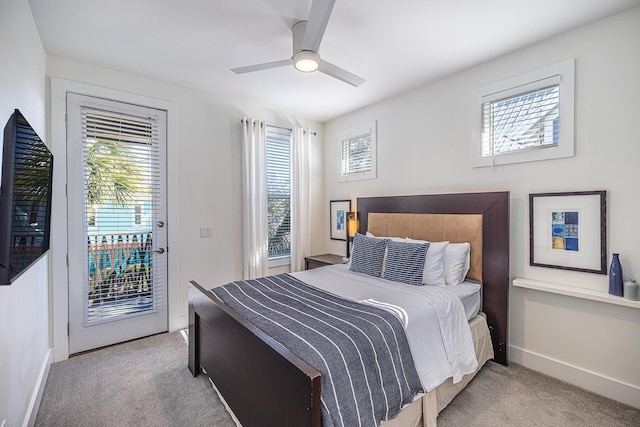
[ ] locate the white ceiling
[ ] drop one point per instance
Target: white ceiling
(395, 45)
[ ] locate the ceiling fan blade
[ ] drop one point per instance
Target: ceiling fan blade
(340, 74)
(264, 66)
(317, 23)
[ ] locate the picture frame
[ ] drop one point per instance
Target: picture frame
(338, 218)
(569, 231)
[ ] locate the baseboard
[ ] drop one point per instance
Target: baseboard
(180, 322)
(597, 383)
(38, 391)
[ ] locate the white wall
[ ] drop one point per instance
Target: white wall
(204, 180)
(24, 309)
(424, 147)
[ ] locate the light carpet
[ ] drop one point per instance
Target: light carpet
(139, 383)
(516, 396)
(147, 383)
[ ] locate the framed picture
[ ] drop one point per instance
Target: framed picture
(338, 213)
(569, 231)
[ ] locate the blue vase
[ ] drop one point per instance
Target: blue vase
(615, 277)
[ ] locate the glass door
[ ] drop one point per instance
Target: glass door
(116, 222)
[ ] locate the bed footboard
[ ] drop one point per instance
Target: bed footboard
(262, 382)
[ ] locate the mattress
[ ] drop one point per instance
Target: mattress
(470, 294)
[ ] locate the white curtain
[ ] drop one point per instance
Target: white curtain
(254, 199)
(300, 198)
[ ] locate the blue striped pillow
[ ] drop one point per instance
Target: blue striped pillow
(367, 255)
(405, 262)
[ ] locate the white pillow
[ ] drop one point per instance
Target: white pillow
(457, 261)
(394, 239)
(434, 264)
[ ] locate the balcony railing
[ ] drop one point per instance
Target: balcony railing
(120, 274)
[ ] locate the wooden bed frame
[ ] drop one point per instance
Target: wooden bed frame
(265, 384)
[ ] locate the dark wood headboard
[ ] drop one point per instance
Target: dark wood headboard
(494, 208)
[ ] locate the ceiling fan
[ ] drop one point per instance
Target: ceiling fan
(307, 36)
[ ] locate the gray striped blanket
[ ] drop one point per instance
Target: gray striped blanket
(361, 351)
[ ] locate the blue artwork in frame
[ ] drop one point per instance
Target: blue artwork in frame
(568, 231)
(564, 231)
(338, 210)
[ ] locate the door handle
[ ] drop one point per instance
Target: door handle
(160, 224)
(159, 251)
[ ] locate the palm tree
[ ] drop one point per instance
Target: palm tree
(111, 177)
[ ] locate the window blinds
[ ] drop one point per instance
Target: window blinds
(279, 190)
(121, 203)
(524, 118)
(356, 154)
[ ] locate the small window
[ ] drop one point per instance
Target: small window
(137, 215)
(525, 119)
(521, 122)
(279, 191)
(357, 152)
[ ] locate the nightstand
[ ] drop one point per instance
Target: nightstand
(315, 261)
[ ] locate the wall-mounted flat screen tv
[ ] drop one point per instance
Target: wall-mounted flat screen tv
(25, 198)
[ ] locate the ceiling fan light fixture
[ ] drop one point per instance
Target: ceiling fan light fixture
(306, 61)
(306, 39)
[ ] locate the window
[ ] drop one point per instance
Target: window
(525, 119)
(357, 152)
(137, 215)
(279, 191)
(521, 122)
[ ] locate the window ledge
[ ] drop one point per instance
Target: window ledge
(572, 291)
(279, 261)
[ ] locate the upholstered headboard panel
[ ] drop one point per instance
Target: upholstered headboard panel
(456, 228)
(481, 219)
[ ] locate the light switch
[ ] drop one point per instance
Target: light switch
(205, 231)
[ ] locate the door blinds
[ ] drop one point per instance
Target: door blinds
(121, 206)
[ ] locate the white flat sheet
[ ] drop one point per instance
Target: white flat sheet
(434, 317)
(469, 294)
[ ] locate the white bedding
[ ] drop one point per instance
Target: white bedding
(470, 296)
(434, 317)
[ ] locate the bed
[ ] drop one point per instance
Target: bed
(265, 384)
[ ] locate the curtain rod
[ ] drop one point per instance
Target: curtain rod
(243, 121)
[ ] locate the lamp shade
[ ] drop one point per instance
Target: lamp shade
(352, 223)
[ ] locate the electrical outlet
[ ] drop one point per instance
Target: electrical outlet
(205, 231)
